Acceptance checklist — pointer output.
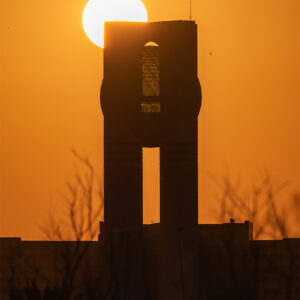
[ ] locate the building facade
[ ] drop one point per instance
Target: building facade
(230, 266)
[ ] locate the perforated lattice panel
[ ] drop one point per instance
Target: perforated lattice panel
(151, 107)
(150, 71)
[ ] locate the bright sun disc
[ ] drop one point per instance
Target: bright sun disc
(96, 12)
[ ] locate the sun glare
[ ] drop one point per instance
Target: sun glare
(96, 12)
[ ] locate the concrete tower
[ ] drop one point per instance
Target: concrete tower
(151, 97)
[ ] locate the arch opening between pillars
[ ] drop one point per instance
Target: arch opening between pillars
(151, 185)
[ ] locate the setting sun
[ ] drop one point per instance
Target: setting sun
(96, 12)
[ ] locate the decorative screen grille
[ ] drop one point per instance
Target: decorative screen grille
(150, 71)
(151, 107)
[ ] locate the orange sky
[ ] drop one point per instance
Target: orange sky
(249, 69)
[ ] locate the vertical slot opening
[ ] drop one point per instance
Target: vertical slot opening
(151, 185)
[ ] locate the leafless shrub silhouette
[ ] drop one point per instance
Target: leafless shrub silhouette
(84, 207)
(71, 239)
(259, 205)
(270, 221)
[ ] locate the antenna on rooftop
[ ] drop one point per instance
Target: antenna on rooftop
(190, 9)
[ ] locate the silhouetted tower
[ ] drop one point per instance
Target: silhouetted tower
(151, 97)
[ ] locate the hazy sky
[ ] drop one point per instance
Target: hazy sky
(249, 69)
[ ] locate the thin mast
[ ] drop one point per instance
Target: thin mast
(190, 9)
